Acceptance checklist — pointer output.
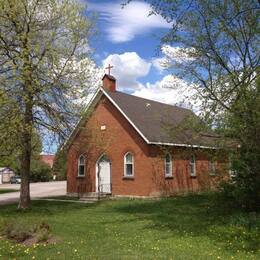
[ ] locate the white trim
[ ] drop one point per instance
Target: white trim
(126, 175)
(128, 119)
(170, 163)
(184, 145)
(81, 165)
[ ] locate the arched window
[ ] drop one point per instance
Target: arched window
(232, 172)
(212, 167)
(129, 165)
(192, 166)
(168, 165)
(81, 166)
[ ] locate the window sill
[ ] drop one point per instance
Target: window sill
(128, 178)
(168, 177)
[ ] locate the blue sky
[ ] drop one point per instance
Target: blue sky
(129, 39)
(127, 30)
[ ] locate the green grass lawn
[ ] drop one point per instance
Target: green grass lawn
(2, 191)
(189, 227)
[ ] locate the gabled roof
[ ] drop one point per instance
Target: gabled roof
(157, 123)
(2, 169)
(160, 123)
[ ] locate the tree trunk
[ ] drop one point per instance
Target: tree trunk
(27, 125)
(26, 159)
(25, 178)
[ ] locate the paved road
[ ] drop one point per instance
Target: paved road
(38, 190)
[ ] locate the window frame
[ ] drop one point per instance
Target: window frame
(80, 164)
(165, 165)
(231, 171)
(193, 164)
(125, 166)
(212, 167)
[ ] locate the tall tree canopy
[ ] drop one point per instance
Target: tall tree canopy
(215, 45)
(43, 70)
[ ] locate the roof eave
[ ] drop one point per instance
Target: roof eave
(185, 145)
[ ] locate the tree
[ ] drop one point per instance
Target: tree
(214, 45)
(59, 165)
(10, 148)
(8, 142)
(40, 171)
(10, 151)
(43, 70)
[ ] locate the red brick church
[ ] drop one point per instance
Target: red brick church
(130, 146)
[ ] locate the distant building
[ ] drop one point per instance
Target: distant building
(5, 174)
(47, 159)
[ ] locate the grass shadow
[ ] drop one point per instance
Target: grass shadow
(198, 215)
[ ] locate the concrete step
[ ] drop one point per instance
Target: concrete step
(93, 197)
(88, 200)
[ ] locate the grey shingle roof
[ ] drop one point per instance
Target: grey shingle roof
(162, 123)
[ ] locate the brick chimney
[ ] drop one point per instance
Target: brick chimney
(109, 83)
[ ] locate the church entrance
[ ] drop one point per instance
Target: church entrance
(103, 175)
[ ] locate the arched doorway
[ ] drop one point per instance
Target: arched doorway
(103, 174)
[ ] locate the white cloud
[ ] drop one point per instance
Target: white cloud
(128, 67)
(159, 64)
(178, 54)
(123, 24)
(87, 80)
(171, 90)
(173, 55)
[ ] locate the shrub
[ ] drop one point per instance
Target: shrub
(43, 235)
(20, 231)
(40, 172)
(17, 232)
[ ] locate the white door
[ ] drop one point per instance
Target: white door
(103, 175)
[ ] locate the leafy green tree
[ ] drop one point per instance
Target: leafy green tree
(43, 64)
(214, 45)
(244, 124)
(40, 171)
(8, 142)
(59, 165)
(10, 147)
